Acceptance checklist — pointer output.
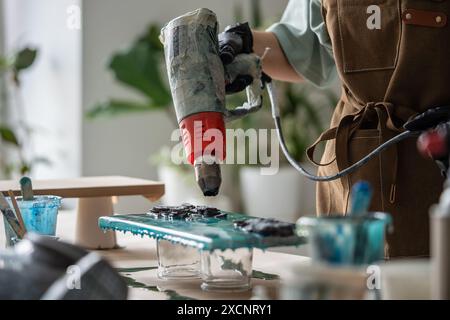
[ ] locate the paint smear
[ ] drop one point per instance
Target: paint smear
(172, 294)
(136, 269)
(264, 276)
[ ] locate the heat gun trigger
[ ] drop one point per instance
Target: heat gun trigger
(246, 64)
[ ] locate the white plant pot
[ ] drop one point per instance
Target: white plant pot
(286, 195)
(181, 187)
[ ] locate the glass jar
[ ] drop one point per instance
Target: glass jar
(227, 270)
(176, 261)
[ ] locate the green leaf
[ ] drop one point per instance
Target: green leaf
(8, 135)
(25, 169)
(117, 107)
(312, 112)
(151, 38)
(24, 59)
(256, 13)
(139, 68)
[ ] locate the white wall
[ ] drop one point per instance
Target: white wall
(122, 145)
(51, 90)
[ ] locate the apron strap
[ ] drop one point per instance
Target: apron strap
(330, 134)
(388, 158)
(385, 115)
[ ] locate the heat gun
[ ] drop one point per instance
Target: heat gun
(197, 80)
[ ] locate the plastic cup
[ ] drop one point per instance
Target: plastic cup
(39, 215)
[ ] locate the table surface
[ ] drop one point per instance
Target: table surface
(137, 261)
(104, 186)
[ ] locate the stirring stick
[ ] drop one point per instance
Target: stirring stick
(10, 217)
(360, 201)
(16, 208)
(13, 222)
(27, 189)
(360, 198)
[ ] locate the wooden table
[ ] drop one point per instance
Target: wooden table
(95, 199)
(137, 260)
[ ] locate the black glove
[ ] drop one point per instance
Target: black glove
(429, 119)
(236, 39)
(241, 82)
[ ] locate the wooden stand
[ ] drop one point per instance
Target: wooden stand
(87, 232)
(95, 200)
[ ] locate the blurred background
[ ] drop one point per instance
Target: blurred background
(73, 101)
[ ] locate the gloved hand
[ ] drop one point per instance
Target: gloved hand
(429, 119)
(236, 39)
(435, 143)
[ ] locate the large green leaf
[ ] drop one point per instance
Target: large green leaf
(139, 68)
(8, 135)
(115, 107)
(24, 59)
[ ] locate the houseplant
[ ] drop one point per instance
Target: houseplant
(141, 68)
(287, 194)
(16, 154)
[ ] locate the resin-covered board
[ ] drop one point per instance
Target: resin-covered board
(203, 233)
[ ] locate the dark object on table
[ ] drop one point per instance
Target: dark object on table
(40, 267)
(186, 211)
(266, 227)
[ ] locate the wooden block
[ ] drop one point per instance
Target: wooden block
(86, 187)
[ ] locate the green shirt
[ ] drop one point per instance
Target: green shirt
(305, 41)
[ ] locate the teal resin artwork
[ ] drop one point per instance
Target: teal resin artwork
(202, 233)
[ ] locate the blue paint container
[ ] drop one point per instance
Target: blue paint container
(39, 216)
(346, 240)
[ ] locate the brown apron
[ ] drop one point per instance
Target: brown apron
(389, 75)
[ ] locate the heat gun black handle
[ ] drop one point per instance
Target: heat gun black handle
(235, 39)
(429, 119)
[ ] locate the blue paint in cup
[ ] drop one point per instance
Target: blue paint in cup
(346, 240)
(39, 216)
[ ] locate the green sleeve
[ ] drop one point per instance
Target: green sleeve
(305, 41)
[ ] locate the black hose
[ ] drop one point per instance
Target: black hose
(346, 171)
